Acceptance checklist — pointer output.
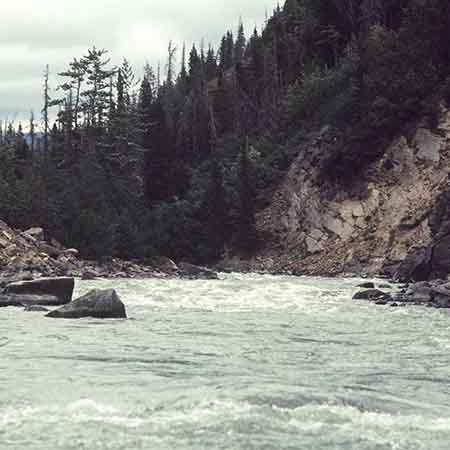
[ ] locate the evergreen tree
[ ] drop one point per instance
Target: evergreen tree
(246, 228)
(239, 47)
(46, 107)
(96, 94)
(210, 65)
(214, 214)
(183, 77)
(195, 66)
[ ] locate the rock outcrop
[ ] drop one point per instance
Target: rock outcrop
(391, 218)
(100, 304)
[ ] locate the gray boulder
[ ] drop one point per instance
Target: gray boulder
(419, 292)
(367, 285)
(441, 295)
(163, 264)
(48, 249)
(10, 300)
(35, 308)
(440, 261)
(61, 288)
(100, 304)
(196, 273)
(372, 295)
(89, 275)
(35, 233)
(415, 267)
(28, 300)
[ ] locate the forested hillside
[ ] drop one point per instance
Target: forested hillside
(178, 164)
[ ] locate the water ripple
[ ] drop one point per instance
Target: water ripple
(241, 363)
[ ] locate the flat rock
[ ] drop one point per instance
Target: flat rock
(61, 288)
(100, 304)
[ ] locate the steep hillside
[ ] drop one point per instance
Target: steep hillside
(369, 225)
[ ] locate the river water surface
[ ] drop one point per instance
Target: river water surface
(247, 362)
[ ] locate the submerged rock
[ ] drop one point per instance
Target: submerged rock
(100, 304)
(60, 288)
(372, 295)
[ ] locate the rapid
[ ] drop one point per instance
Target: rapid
(246, 362)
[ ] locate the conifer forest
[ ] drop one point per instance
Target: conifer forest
(177, 160)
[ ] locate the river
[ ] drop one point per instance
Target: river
(247, 362)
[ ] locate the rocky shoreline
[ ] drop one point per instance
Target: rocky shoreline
(28, 255)
(435, 293)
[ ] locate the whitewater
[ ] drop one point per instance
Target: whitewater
(245, 362)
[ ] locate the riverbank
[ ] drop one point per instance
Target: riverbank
(30, 254)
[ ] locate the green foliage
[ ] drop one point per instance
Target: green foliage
(163, 170)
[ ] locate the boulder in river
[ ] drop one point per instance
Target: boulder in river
(367, 285)
(196, 273)
(372, 295)
(100, 304)
(61, 288)
(419, 292)
(10, 300)
(441, 295)
(35, 308)
(28, 300)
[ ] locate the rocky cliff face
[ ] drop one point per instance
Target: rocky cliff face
(383, 214)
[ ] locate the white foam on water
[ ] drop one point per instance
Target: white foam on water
(247, 361)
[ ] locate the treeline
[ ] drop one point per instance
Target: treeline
(178, 165)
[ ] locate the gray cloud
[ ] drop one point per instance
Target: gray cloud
(53, 32)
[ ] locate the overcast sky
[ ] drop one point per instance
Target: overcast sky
(35, 33)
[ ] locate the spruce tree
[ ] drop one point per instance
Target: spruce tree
(215, 215)
(239, 47)
(210, 65)
(246, 228)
